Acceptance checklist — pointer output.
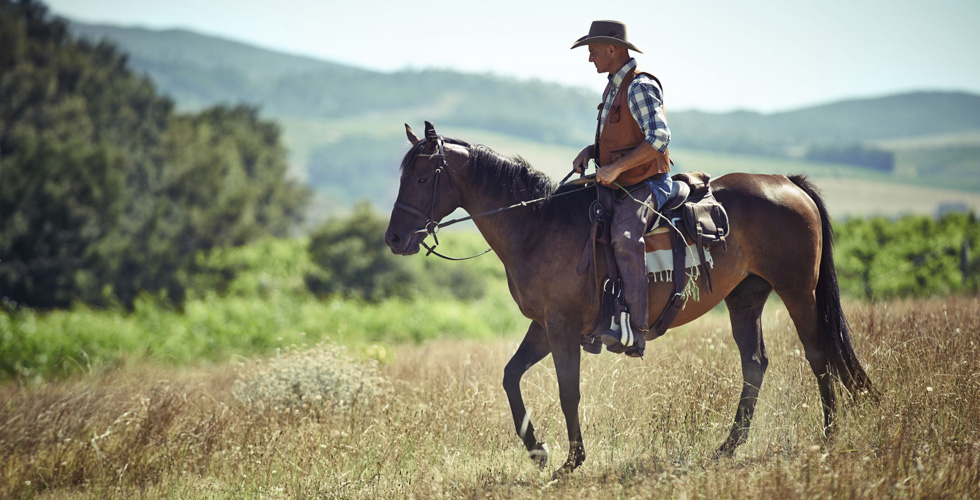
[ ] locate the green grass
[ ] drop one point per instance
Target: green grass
(266, 307)
(35, 345)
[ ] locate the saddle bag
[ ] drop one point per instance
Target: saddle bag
(705, 220)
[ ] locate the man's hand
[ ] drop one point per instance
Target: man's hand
(607, 175)
(581, 162)
(642, 154)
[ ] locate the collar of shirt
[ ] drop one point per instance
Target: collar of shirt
(616, 79)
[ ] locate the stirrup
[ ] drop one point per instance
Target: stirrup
(621, 338)
(591, 345)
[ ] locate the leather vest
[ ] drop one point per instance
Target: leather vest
(621, 134)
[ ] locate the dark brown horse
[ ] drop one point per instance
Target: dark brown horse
(780, 240)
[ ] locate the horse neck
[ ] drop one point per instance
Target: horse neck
(508, 232)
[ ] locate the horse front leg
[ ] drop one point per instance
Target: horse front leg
(533, 348)
(745, 304)
(567, 354)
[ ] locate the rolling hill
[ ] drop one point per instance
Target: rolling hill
(342, 124)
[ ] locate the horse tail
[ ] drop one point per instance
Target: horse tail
(836, 332)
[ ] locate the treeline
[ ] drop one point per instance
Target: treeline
(107, 192)
(853, 154)
(920, 256)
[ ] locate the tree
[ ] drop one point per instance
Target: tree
(354, 261)
(106, 191)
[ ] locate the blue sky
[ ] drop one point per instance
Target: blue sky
(713, 55)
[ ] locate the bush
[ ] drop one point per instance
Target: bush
(321, 377)
(355, 262)
(914, 256)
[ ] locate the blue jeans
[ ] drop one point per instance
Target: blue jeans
(660, 188)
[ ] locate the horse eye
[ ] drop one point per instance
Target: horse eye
(423, 180)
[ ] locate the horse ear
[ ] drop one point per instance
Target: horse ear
(430, 131)
(414, 139)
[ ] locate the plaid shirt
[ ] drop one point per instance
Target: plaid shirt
(645, 105)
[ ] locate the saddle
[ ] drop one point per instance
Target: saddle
(691, 216)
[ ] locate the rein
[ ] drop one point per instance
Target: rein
(432, 225)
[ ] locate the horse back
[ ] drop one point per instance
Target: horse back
(775, 226)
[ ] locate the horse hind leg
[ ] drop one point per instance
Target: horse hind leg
(745, 304)
(828, 350)
(533, 349)
(803, 310)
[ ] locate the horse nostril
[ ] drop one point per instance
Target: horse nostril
(393, 238)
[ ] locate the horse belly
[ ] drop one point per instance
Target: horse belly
(727, 268)
(723, 281)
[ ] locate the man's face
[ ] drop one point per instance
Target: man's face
(602, 56)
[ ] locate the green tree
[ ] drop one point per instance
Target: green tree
(353, 260)
(911, 256)
(107, 192)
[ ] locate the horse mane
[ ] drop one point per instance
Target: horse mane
(514, 180)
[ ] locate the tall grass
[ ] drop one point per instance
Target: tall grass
(439, 425)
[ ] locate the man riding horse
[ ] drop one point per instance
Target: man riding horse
(633, 162)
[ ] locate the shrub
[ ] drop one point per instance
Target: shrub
(355, 262)
(316, 378)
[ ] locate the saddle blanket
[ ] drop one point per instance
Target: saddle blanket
(660, 263)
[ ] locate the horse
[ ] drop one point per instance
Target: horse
(780, 240)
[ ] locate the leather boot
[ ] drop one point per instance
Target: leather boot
(627, 331)
(631, 259)
(629, 221)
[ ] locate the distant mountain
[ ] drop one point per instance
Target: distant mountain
(854, 121)
(199, 71)
(342, 123)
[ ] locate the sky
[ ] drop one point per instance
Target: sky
(711, 55)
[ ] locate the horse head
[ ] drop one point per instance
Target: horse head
(427, 190)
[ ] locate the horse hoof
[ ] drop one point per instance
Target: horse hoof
(540, 455)
(723, 452)
(563, 471)
(576, 456)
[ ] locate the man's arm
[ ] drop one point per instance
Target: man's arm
(646, 106)
(641, 154)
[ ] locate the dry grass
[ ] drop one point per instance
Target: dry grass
(434, 423)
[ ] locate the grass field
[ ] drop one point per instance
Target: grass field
(432, 421)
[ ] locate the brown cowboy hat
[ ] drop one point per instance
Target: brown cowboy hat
(607, 32)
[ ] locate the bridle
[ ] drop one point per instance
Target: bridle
(432, 225)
